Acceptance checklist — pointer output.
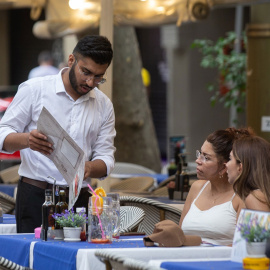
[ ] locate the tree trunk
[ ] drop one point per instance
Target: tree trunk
(136, 140)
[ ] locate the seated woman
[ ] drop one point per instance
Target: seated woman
(249, 171)
(212, 208)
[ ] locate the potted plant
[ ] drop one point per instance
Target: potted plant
(255, 235)
(71, 223)
(230, 86)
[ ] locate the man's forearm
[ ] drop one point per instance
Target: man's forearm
(95, 169)
(16, 141)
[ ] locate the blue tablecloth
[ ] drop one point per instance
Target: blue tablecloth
(16, 247)
(9, 219)
(213, 265)
(53, 254)
(8, 189)
(61, 255)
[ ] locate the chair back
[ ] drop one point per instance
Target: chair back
(154, 212)
(162, 192)
(118, 262)
(138, 183)
(130, 218)
(111, 260)
(10, 175)
(132, 264)
(7, 203)
(7, 264)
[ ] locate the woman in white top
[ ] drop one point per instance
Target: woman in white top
(212, 208)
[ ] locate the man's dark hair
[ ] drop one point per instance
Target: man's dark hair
(98, 48)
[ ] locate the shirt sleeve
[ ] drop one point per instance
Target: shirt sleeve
(103, 148)
(17, 115)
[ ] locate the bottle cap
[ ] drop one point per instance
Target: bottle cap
(48, 192)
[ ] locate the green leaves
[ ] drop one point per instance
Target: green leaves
(253, 232)
(231, 67)
(70, 219)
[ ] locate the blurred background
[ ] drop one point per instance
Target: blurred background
(160, 82)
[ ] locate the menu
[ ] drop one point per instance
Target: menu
(67, 156)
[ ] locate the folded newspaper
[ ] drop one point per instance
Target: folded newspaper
(67, 156)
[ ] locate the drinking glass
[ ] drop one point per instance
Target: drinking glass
(115, 214)
(100, 220)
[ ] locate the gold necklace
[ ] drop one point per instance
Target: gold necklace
(214, 200)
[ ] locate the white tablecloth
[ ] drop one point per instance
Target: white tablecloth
(87, 260)
(9, 225)
(7, 228)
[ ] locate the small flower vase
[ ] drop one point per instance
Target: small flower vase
(256, 249)
(72, 234)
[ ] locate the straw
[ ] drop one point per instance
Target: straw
(102, 232)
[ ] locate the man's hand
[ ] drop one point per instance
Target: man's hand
(39, 142)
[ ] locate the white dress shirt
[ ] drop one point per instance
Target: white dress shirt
(89, 120)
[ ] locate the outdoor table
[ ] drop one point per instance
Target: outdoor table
(8, 189)
(197, 264)
(26, 250)
(9, 224)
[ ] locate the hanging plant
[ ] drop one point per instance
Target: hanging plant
(230, 86)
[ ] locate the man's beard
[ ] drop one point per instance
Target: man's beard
(73, 81)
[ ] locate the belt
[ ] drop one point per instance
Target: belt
(40, 184)
(46, 185)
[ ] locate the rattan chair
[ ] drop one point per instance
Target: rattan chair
(130, 218)
(118, 262)
(7, 203)
(138, 184)
(192, 179)
(130, 168)
(162, 191)
(7, 264)
(10, 175)
(154, 212)
(132, 264)
(111, 260)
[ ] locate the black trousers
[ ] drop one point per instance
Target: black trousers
(29, 202)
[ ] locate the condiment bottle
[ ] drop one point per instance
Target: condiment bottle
(61, 206)
(48, 209)
(83, 232)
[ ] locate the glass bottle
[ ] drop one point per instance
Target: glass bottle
(115, 214)
(61, 206)
(83, 232)
(181, 180)
(178, 176)
(48, 209)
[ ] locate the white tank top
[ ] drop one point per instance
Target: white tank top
(215, 225)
